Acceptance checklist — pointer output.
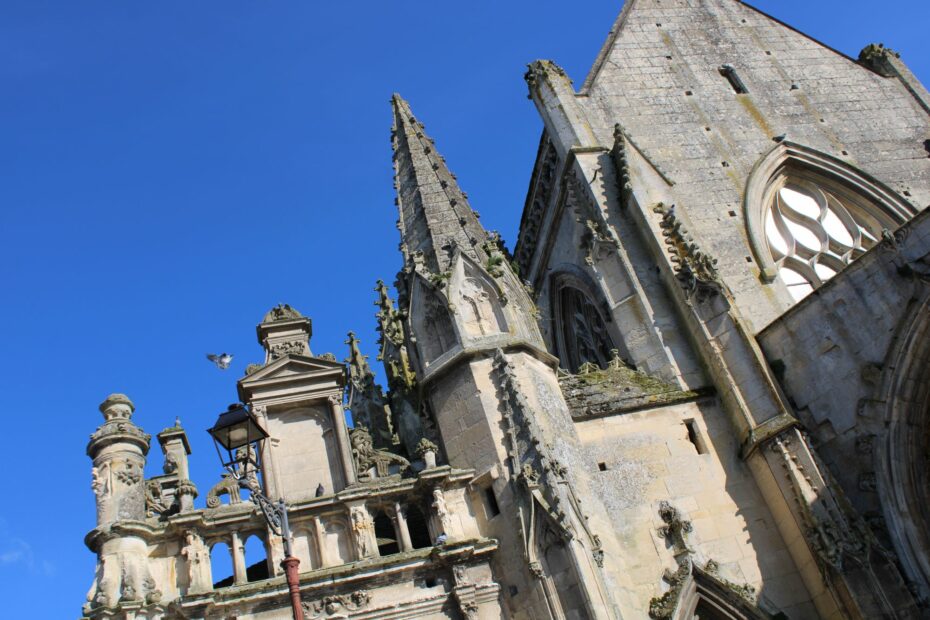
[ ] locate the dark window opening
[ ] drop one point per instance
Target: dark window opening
(419, 531)
(490, 502)
(584, 331)
(694, 436)
(387, 537)
(430, 582)
(602, 466)
(257, 571)
(733, 78)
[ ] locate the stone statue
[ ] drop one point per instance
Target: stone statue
(227, 486)
(366, 456)
(363, 529)
(197, 555)
(442, 511)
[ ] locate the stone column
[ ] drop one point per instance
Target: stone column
(175, 448)
(275, 550)
(319, 535)
(270, 476)
(237, 549)
(402, 529)
(342, 437)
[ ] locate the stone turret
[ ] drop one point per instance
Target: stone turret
(118, 449)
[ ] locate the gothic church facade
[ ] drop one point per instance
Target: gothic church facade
(697, 388)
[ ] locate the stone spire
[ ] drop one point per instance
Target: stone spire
(434, 213)
(367, 402)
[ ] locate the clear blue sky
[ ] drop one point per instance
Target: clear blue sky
(171, 170)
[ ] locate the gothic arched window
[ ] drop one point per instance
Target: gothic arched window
(809, 215)
(812, 235)
(583, 330)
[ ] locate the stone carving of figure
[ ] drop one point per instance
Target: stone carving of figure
(442, 511)
(198, 562)
(363, 528)
(366, 456)
(99, 482)
(478, 317)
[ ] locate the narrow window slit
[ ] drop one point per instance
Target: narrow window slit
(491, 502)
(729, 72)
(694, 436)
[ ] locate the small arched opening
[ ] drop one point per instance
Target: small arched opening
(386, 534)
(419, 528)
(256, 559)
(221, 564)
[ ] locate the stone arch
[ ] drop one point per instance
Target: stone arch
(900, 457)
(336, 539)
(431, 322)
(256, 557)
(221, 563)
(418, 525)
(305, 547)
(704, 596)
(477, 300)
(846, 198)
(582, 330)
(386, 534)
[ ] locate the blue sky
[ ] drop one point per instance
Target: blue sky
(171, 170)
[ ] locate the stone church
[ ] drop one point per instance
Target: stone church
(696, 388)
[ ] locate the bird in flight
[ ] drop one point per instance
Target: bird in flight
(222, 360)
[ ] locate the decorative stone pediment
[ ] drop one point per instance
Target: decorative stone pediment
(292, 375)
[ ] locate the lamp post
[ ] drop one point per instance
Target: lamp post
(238, 434)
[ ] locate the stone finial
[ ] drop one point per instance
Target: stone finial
(281, 312)
(284, 331)
(117, 406)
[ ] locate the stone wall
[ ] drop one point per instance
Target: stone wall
(659, 76)
(644, 458)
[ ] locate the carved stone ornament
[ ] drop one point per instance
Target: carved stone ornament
(596, 241)
(363, 529)
(877, 57)
(497, 254)
(676, 528)
(281, 312)
(366, 456)
(743, 590)
(227, 486)
(442, 511)
(155, 502)
(331, 605)
(425, 446)
(130, 474)
(292, 347)
(695, 270)
(662, 607)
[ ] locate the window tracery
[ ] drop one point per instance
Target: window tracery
(813, 235)
(808, 215)
(585, 337)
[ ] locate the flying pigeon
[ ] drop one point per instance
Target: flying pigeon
(222, 360)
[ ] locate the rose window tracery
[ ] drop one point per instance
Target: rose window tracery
(812, 235)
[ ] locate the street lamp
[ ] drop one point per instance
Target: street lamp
(238, 433)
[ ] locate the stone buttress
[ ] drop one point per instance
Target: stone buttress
(487, 381)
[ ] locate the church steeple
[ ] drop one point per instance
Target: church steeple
(435, 216)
